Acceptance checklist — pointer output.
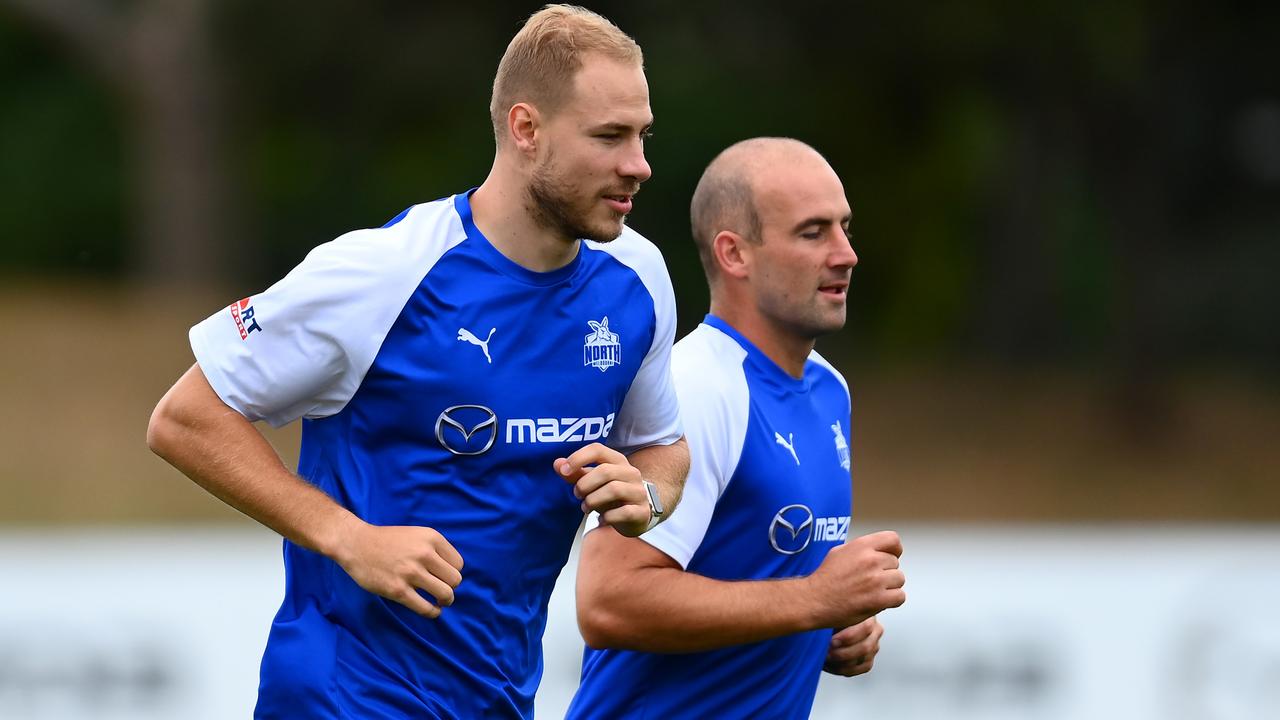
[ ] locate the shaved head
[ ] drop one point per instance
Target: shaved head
(728, 195)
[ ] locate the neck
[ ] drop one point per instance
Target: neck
(498, 208)
(787, 350)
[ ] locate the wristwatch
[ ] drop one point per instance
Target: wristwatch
(656, 512)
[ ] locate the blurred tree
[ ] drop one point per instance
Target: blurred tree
(1095, 183)
(156, 57)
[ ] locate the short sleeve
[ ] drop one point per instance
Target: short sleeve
(650, 413)
(712, 389)
(301, 348)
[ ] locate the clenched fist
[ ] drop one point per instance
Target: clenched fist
(859, 579)
(397, 562)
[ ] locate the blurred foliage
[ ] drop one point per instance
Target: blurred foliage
(62, 173)
(1094, 182)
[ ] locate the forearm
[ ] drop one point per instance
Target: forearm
(226, 455)
(665, 466)
(630, 605)
(672, 611)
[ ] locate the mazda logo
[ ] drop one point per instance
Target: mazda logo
(789, 526)
(461, 423)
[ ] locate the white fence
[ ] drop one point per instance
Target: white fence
(1027, 622)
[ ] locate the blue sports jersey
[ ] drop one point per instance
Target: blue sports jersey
(768, 494)
(438, 380)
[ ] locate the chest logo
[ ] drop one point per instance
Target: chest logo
(601, 349)
(468, 336)
(467, 429)
(842, 447)
(789, 443)
(791, 529)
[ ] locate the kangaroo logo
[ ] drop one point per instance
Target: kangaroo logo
(788, 443)
(601, 349)
(467, 335)
(842, 447)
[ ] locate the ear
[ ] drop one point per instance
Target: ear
(522, 125)
(733, 254)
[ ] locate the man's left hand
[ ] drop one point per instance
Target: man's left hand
(853, 649)
(608, 484)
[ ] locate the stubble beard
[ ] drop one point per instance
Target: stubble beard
(822, 320)
(550, 205)
(808, 320)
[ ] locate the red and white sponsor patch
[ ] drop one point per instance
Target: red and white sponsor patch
(242, 314)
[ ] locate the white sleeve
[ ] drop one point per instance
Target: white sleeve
(715, 406)
(301, 348)
(650, 413)
(815, 357)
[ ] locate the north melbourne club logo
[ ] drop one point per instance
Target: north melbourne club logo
(842, 447)
(242, 313)
(601, 349)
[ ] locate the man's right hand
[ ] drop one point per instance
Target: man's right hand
(397, 562)
(859, 579)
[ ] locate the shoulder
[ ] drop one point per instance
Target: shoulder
(416, 237)
(707, 367)
(824, 372)
(636, 252)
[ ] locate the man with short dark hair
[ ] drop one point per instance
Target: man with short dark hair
(472, 377)
(734, 606)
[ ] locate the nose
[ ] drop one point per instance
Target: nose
(634, 165)
(842, 254)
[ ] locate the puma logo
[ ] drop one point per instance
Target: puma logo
(467, 335)
(787, 443)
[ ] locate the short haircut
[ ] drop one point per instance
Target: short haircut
(723, 200)
(542, 59)
(726, 196)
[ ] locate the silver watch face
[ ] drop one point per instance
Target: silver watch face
(655, 500)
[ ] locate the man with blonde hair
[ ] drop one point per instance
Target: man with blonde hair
(734, 607)
(429, 361)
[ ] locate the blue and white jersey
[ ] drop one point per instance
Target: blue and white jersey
(437, 381)
(768, 494)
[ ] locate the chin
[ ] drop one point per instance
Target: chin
(604, 232)
(829, 324)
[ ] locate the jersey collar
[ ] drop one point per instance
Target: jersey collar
(502, 263)
(768, 369)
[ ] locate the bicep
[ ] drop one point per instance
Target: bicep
(191, 425)
(666, 463)
(191, 400)
(608, 558)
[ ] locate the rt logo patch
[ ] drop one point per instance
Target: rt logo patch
(242, 313)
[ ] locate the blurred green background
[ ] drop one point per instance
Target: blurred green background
(1067, 214)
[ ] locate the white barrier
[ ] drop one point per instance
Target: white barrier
(1168, 623)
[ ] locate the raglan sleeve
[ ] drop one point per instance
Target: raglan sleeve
(300, 348)
(714, 410)
(650, 413)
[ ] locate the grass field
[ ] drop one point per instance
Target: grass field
(84, 364)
